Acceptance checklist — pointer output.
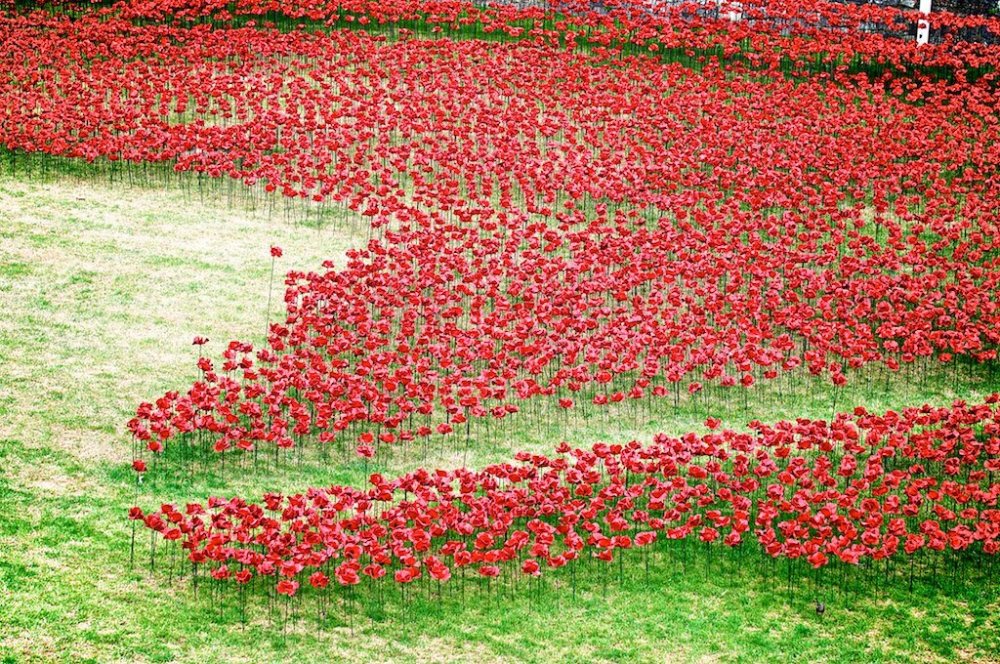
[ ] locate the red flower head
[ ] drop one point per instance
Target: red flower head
(489, 571)
(287, 587)
(319, 580)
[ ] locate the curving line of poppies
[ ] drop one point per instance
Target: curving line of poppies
(917, 485)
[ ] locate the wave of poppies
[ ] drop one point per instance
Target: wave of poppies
(917, 483)
(547, 226)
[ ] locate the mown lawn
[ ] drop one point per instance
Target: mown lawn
(103, 287)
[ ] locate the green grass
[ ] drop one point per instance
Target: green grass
(102, 289)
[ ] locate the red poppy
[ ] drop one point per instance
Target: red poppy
(287, 587)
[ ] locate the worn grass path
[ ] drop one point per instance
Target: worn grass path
(102, 289)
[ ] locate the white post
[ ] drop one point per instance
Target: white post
(735, 14)
(923, 24)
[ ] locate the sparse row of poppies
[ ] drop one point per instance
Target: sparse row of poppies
(896, 486)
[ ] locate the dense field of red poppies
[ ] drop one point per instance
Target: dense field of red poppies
(585, 206)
